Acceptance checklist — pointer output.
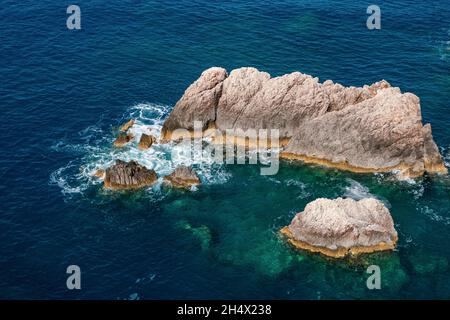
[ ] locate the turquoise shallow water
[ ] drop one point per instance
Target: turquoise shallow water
(63, 92)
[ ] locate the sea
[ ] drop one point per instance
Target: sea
(64, 92)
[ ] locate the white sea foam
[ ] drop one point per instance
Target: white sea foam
(357, 191)
(444, 50)
(431, 214)
(148, 278)
(446, 155)
(304, 193)
(69, 184)
(418, 193)
(134, 296)
(297, 183)
(99, 153)
(272, 179)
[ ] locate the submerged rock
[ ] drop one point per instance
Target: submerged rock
(183, 177)
(424, 263)
(127, 125)
(342, 227)
(374, 128)
(146, 141)
(122, 139)
(202, 233)
(128, 175)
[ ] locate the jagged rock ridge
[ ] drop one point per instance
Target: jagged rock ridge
(368, 129)
(128, 175)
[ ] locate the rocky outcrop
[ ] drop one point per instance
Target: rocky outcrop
(127, 125)
(122, 139)
(198, 103)
(183, 177)
(374, 128)
(146, 141)
(378, 134)
(342, 227)
(100, 173)
(128, 175)
(124, 136)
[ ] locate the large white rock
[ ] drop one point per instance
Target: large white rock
(342, 227)
(374, 128)
(199, 102)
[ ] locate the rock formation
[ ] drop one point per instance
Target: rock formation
(182, 177)
(122, 139)
(146, 141)
(374, 128)
(128, 175)
(100, 173)
(199, 102)
(342, 227)
(126, 126)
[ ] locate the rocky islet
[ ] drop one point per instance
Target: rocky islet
(374, 128)
(342, 227)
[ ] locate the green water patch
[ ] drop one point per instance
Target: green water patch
(201, 233)
(393, 273)
(237, 224)
(257, 249)
(300, 24)
(330, 278)
(424, 263)
(233, 237)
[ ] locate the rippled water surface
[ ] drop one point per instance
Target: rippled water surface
(63, 93)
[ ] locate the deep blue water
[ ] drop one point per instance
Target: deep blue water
(62, 92)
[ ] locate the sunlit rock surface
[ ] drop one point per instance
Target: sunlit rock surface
(146, 141)
(183, 177)
(374, 128)
(342, 227)
(128, 175)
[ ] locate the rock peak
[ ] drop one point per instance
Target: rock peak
(374, 128)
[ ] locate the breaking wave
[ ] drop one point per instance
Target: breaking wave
(446, 156)
(357, 191)
(97, 152)
(68, 182)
